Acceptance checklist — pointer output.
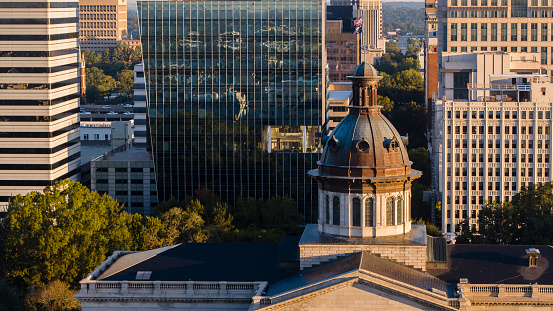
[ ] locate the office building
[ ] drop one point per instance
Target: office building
(139, 109)
(491, 135)
(127, 175)
(372, 42)
(235, 95)
(39, 95)
(102, 24)
(342, 47)
(497, 25)
(430, 62)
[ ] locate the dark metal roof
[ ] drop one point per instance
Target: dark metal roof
(365, 70)
(361, 261)
(239, 262)
(342, 156)
(496, 264)
(289, 249)
(404, 274)
(317, 274)
(436, 250)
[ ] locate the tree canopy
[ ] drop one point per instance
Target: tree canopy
(110, 71)
(63, 234)
(408, 18)
(526, 220)
(98, 84)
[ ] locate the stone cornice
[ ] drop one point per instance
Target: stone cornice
(166, 299)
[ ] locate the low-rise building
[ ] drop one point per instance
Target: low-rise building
(339, 97)
(113, 134)
(127, 175)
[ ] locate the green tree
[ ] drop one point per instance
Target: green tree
(393, 49)
(408, 17)
(421, 161)
(386, 103)
(247, 212)
(154, 233)
(98, 84)
(409, 79)
(183, 226)
(61, 234)
(125, 79)
(431, 230)
(526, 220)
(412, 52)
(410, 118)
(408, 63)
(386, 65)
(10, 300)
(56, 296)
(91, 58)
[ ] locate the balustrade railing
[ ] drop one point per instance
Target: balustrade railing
(504, 290)
(248, 289)
(499, 86)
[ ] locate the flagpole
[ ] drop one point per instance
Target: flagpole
(358, 29)
(359, 48)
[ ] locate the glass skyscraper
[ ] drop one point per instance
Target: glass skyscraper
(235, 92)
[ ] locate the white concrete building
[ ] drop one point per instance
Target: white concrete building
(491, 132)
(39, 95)
(100, 131)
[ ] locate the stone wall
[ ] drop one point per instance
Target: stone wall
(408, 255)
(357, 297)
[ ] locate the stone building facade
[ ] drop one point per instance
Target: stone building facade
(103, 24)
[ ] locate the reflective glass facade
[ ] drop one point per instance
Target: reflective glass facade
(235, 92)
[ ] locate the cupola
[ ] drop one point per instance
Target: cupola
(364, 173)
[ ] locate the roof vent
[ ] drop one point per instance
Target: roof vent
(143, 275)
(463, 281)
(533, 254)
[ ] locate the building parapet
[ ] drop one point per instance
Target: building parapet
(497, 86)
(92, 289)
(479, 291)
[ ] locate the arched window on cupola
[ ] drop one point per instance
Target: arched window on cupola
(389, 211)
(400, 210)
(336, 211)
(369, 212)
(327, 210)
(356, 212)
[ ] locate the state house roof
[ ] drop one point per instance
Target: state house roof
(496, 264)
(238, 262)
(362, 261)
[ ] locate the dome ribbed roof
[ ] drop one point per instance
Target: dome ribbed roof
(365, 70)
(365, 144)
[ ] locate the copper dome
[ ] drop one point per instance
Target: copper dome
(365, 144)
(365, 70)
